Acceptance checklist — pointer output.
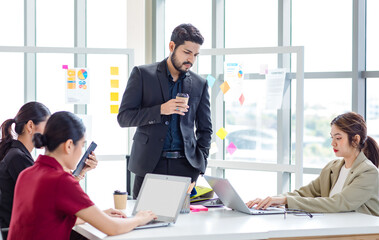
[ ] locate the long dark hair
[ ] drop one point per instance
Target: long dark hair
(353, 124)
(34, 111)
(60, 127)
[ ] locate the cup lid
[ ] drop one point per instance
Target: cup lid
(185, 95)
(118, 192)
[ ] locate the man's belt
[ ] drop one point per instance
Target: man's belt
(175, 154)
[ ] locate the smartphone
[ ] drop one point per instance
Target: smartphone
(82, 161)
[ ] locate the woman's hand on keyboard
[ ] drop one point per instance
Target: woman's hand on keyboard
(144, 217)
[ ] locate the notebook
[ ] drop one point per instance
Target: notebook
(231, 199)
(164, 195)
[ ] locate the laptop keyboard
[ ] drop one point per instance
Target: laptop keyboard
(154, 222)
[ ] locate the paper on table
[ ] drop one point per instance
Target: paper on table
(274, 88)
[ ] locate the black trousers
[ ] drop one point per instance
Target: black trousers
(169, 166)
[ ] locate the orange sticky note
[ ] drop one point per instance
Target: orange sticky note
(71, 72)
(114, 83)
(114, 70)
(114, 109)
(225, 87)
(221, 133)
(114, 96)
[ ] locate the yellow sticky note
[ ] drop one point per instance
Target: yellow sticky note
(114, 109)
(114, 96)
(114, 70)
(225, 87)
(221, 133)
(114, 83)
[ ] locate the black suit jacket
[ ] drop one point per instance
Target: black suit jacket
(146, 91)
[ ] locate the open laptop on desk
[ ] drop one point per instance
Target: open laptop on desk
(231, 199)
(164, 195)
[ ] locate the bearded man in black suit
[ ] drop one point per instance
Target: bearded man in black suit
(172, 137)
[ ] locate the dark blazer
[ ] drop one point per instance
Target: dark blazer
(146, 91)
(14, 162)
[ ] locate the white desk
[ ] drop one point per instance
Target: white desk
(228, 224)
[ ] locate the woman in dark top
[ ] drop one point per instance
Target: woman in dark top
(15, 154)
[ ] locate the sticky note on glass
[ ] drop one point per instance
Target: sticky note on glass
(114, 70)
(211, 80)
(114, 96)
(263, 69)
(64, 66)
(242, 99)
(231, 148)
(114, 109)
(114, 83)
(221, 133)
(213, 149)
(225, 87)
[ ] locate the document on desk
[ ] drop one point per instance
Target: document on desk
(274, 88)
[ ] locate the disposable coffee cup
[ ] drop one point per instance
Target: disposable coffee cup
(120, 199)
(183, 96)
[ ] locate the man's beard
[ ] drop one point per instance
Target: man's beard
(177, 64)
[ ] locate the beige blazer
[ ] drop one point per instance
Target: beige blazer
(359, 193)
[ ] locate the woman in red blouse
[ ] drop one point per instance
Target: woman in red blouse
(48, 200)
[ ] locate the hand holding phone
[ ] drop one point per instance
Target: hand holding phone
(82, 161)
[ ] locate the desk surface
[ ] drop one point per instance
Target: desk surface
(223, 223)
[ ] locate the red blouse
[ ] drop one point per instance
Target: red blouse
(45, 202)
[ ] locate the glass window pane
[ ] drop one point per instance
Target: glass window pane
(12, 21)
(106, 23)
(51, 80)
(175, 15)
(326, 38)
(324, 99)
(372, 48)
(11, 84)
(239, 178)
(101, 191)
(110, 137)
(373, 108)
(307, 178)
(55, 23)
(251, 23)
(251, 127)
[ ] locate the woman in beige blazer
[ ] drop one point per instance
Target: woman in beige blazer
(347, 184)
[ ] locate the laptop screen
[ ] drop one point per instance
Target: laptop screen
(161, 196)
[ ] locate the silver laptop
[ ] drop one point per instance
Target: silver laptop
(231, 199)
(164, 195)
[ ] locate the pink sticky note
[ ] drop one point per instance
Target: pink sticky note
(64, 66)
(231, 148)
(198, 208)
(242, 99)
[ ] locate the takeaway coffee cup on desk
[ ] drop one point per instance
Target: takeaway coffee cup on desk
(120, 199)
(183, 96)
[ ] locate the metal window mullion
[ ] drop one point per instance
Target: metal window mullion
(299, 117)
(80, 41)
(284, 114)
(359, 57)
(158, 27)
(30, 58)
(217, 101)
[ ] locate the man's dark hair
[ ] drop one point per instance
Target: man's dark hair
(186, 32)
